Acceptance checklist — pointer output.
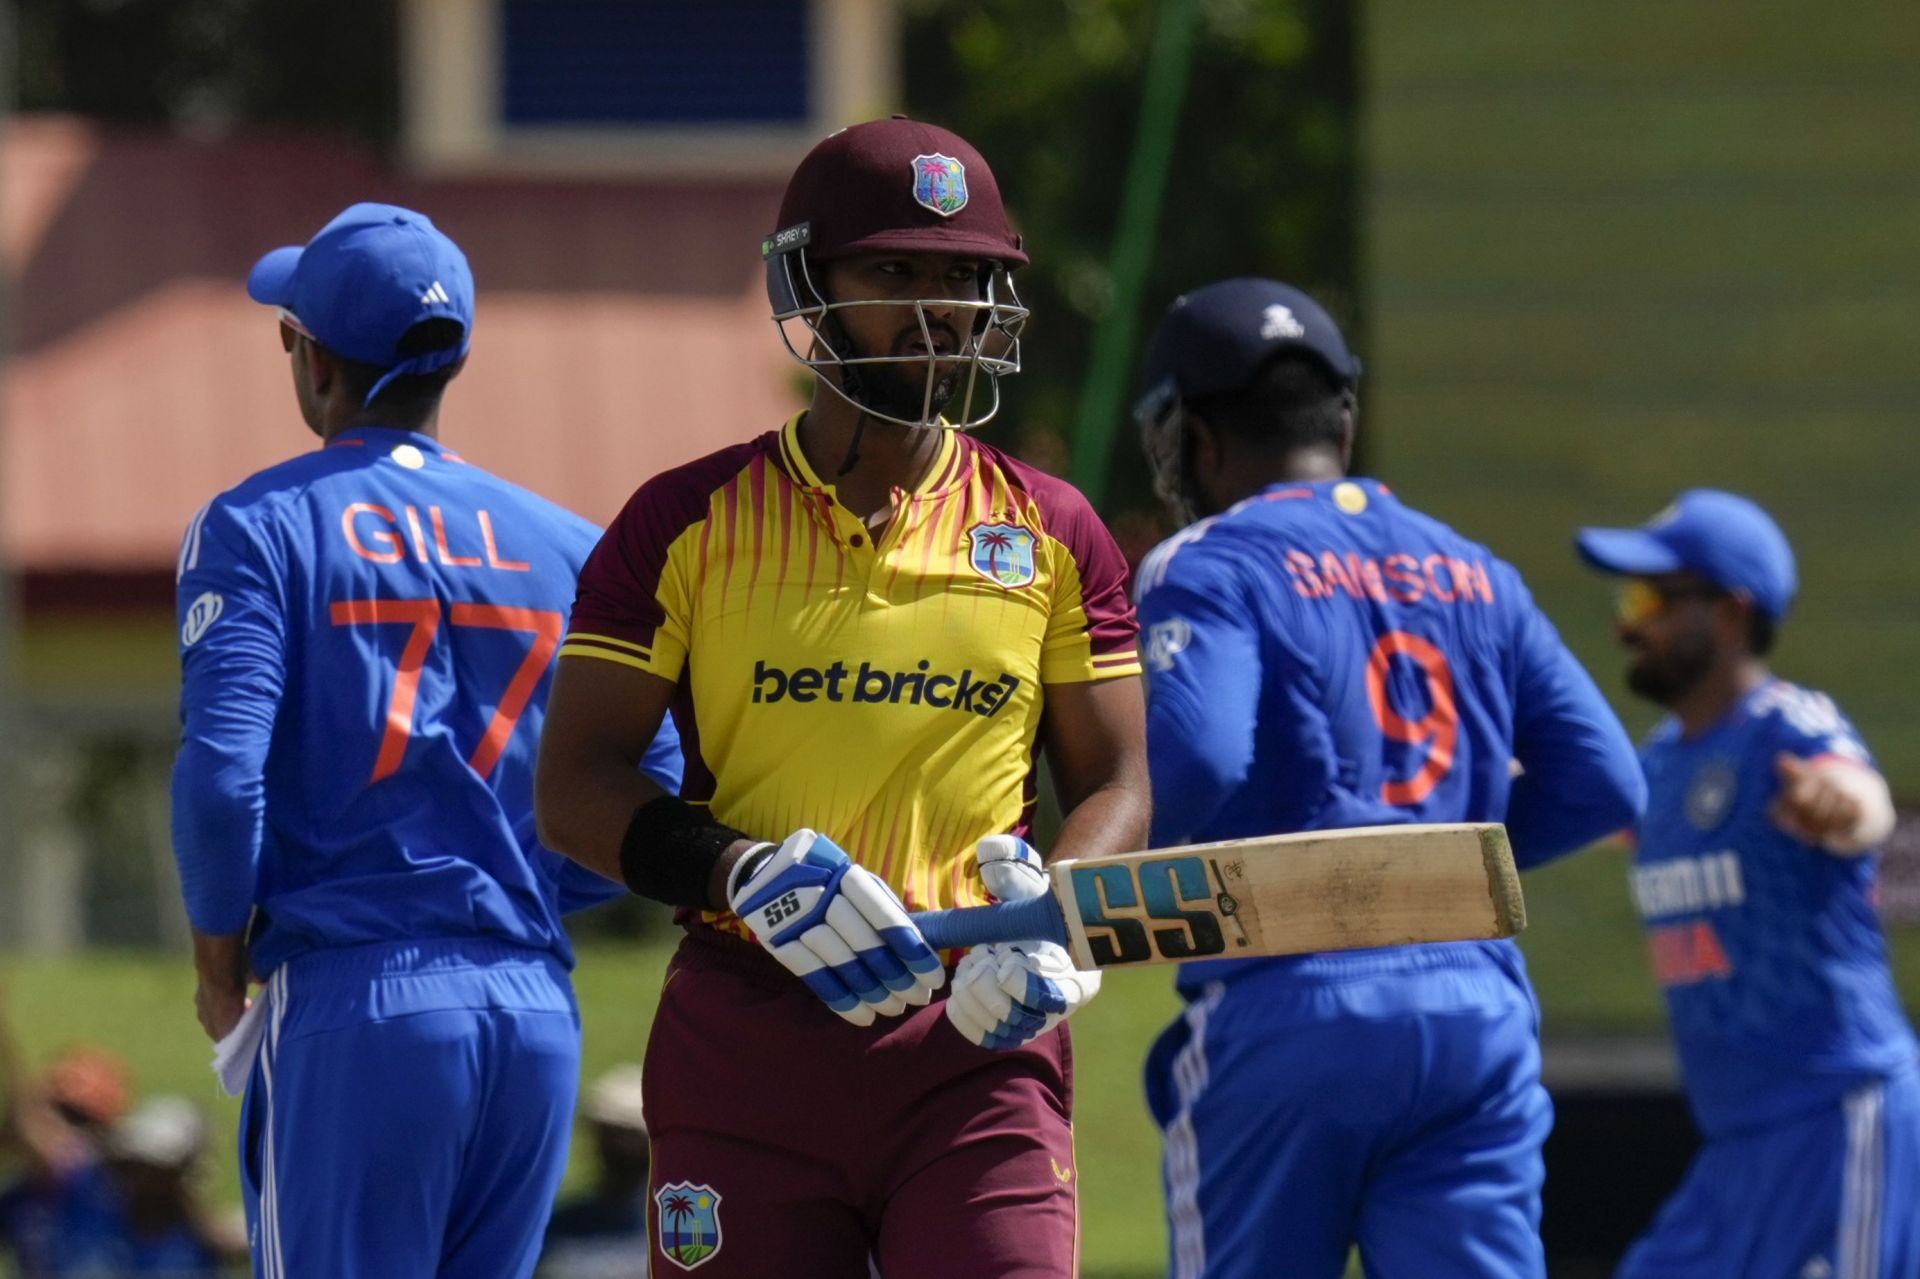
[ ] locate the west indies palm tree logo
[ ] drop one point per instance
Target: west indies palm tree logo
(1002, 553)
(689, 1222)
(940, 183)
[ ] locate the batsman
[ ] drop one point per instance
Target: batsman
(867, 625)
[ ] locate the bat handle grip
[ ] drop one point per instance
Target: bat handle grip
(1035, 919)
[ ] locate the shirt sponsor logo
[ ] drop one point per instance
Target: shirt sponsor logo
(1689, 885)
(921, 686)
(201, 615)
(1689, 951)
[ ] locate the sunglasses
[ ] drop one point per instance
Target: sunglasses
(291, 330)
(1640, 600)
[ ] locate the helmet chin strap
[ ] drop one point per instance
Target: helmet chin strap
(853, 446)
(850, 379)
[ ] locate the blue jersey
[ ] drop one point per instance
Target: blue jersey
(367, 633)
(1323, 656)
(1770, 949)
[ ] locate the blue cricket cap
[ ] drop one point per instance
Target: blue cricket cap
(1723, 537)
(371, 274)
(1217, 337)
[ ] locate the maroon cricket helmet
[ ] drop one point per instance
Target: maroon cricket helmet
(898, 185)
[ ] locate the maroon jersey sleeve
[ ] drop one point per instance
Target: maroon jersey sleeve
(634, 601)
(1091, 632)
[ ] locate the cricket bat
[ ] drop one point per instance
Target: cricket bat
(1274, 895)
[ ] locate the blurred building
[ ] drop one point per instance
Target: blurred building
(610, 170)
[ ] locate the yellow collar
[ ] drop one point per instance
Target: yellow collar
(797, 458)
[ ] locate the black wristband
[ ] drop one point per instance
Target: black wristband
(670, 849)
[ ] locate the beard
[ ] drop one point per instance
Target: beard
(1199, 505)
(1168, 446)
(896, 390)
(900, 390)
(1666, 678)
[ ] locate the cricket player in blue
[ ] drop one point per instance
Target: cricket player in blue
(366, 635)
(1320, 655)
(1755, 875)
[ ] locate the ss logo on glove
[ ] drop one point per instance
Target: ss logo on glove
(852, 942)
(783, 909)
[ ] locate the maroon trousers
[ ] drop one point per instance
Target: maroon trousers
(788, 1142)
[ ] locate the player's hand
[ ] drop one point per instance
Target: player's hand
(1010, 868)
(1010, 993)
(219, 1005)
(1812, 805)
(835, 925)
(220, 997)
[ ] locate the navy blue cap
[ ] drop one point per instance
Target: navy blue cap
(371, 274)
(1215, 338)
(1723, 537)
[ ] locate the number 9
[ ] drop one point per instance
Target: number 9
(1438, 729)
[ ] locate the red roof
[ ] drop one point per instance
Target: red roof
(622, 327)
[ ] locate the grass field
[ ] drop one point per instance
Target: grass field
(141, 1005)
(1583, 946)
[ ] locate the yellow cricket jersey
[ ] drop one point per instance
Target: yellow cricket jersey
(888, 696)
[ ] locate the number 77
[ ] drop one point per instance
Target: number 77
(423, 615)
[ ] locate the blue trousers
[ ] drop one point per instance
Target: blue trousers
(1830, 1195)
(1402, 1112)
(409, 1112)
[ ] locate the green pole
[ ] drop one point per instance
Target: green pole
(12, 850)
(1102, 398)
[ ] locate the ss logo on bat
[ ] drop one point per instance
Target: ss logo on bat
(1121, 906)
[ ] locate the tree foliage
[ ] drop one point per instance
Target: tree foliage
(1262, 179)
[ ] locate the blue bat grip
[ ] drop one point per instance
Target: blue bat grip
(1035, 919)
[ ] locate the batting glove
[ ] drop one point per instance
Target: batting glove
(1011, 868)
(837, 926)
(1010, 993)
